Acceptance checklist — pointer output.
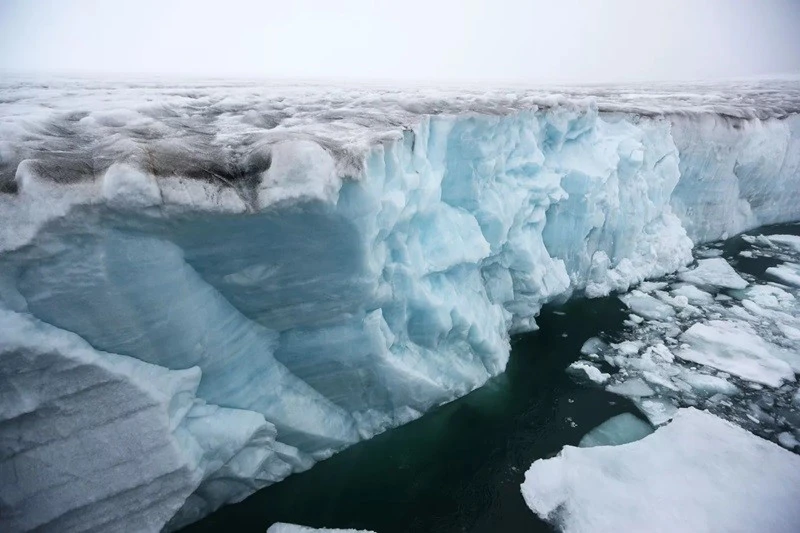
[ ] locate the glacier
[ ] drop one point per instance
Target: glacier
(228, 283)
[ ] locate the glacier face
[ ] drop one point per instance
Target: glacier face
(265, 323)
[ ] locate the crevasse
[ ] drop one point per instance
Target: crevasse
(227, 339)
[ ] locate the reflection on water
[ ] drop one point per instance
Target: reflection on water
(458, 468)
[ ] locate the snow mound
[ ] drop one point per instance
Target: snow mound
(698, 473)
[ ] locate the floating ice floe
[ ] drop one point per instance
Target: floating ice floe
(593, 345)
(698, 473)
(734, 347)
(657, 410)
(727, 344)
(646, 306)
(788, 273)
(714, 272)
(692, 294)
(634, 388)
(588, 371)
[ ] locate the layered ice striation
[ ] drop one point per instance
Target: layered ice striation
(275, 286)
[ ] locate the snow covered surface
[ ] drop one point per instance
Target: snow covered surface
(698, 473)
(333, 262)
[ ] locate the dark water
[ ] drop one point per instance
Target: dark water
(459, 467)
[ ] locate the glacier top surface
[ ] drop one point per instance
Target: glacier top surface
(72, 128)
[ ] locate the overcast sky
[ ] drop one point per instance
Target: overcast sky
(481, 40)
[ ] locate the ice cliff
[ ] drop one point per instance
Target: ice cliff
(205, 289)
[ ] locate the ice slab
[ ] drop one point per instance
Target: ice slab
(790, 241)
(671, 481)
(708, 385)
(620, 429)
(126, 442)
(594, 345)
(714, 272)
(588, 371)
(336, 262)
(735, 347)
(788, 273)
(693, 295)
(657, 410)
(788, 441)
(647, 306)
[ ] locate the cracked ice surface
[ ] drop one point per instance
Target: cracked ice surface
(333, 263)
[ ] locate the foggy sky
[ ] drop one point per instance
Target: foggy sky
(481, 40)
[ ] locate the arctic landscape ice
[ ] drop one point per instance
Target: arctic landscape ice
(208, 287)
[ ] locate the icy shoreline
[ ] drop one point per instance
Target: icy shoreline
(455, 233)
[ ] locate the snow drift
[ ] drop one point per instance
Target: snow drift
(272, 291)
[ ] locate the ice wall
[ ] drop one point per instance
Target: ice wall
(735, 174)
(321, 308)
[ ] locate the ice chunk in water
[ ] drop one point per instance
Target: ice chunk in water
(594, 345)
(620, 429)
(787, 273)
(769, 296)
(647, 306)
(788, 441)
(790, 241)
(707, 385)
(588, 371)
(293, 528)
(694, 295)
(736, 348)
(714, 272)
(635, 388)
(657, 410)
(697, 473)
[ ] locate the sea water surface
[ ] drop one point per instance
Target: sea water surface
(459, 467)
